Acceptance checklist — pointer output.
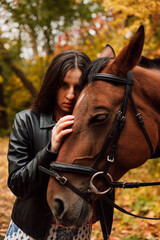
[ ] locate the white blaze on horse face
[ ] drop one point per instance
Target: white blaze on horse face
(80, 99)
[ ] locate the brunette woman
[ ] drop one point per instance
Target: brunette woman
(35, 141)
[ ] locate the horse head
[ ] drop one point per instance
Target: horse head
(95, 114)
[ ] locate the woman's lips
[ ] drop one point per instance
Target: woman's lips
(69, 105)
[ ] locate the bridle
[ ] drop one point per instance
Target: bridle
(111, 139)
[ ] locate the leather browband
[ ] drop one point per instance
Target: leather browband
(111, 78)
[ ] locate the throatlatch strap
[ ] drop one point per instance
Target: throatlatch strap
(141, 123)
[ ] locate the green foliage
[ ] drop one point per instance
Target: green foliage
(5, 132)
(131, 238)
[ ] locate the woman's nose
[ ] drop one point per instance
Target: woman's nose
(70, 94)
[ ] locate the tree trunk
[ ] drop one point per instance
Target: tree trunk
(3, 114)
(24, 80)
(19, 73)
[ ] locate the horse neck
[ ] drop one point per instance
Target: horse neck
(146, 87)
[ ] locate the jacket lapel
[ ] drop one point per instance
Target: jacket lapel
(47, 120)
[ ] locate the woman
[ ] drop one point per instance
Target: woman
(34, 141)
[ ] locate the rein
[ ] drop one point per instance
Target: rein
(113, 136)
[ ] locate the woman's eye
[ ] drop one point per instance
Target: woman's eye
(64, 85)
(99, 118)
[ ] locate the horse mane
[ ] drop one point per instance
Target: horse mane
(99, 64)
(149, 63)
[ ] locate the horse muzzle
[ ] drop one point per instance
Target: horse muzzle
(70, 212)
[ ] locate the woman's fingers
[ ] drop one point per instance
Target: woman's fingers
(65, 118)
(64, 122)
(61, 129)
(63, 125)
(62, 134)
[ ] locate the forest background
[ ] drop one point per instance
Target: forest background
(32, 32)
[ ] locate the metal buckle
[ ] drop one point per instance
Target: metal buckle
(139, 117)
(109, 159)
(94, 189)
(124, 185)
(61, 180)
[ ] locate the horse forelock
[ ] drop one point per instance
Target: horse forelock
(94, 67)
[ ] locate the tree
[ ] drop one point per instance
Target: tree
(33, 26)
(3, 113)
(86, 39)
(39, 22)
(127, 16)
(19, 73)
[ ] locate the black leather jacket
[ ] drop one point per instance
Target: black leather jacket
(28, 148)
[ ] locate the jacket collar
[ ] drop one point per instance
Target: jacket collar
(47, 120)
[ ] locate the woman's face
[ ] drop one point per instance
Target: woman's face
(68, 93)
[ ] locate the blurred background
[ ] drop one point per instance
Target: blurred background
(32, 32)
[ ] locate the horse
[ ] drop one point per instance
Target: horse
(116, 128)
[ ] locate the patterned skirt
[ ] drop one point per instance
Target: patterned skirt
(55, 233)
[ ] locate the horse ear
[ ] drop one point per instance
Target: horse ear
(130, 55)
(108, 51)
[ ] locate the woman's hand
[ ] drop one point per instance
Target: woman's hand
(60, 130)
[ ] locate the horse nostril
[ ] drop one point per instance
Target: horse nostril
(58, 206)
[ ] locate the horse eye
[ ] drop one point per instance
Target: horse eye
(99, 118)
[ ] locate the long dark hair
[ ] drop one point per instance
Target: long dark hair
(71, 59)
